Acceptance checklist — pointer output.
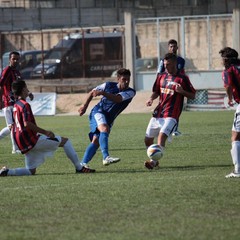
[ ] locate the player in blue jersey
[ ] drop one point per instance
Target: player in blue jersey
(115, 98)
(172, 48)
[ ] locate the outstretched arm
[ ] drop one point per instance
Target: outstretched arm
(117, 98)
(84, 106)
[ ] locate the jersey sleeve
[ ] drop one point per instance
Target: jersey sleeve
(226, 77)
(128, 94)
(100, 87)
(188, 85)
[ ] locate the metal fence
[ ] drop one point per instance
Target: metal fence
(199, 38)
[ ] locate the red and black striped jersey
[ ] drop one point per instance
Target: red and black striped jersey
(170, 102)
(231, 77)
(8, 76)
(24, 137)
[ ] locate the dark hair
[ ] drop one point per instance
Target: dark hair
(13, 52)
(18, 86)
(170, 56)
(123, 71)
(230, 56)
(172, 41)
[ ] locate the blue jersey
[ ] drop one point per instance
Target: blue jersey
(180, 65)
(109, 108)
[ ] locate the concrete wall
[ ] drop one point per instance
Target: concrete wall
(201, 49)
(34, 14)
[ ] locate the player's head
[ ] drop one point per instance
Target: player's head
(170, 62)
(172, 46)
(229, 56)
(123, 76)
(123, 71)
(14, 58)
(19, 88)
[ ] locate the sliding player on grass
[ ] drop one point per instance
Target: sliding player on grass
(34, 142)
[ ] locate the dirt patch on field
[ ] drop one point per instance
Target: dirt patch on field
(70, 103)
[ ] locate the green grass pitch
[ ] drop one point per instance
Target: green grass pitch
(187, 198)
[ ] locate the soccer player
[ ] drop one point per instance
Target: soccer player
(172, 48)
(9, 75)
(231, 80)
(170, 87)
(115, 98)
(34, 142)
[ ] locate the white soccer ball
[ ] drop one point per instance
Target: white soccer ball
(154, 152)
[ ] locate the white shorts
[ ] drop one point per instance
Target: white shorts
(163, 125)
(45, 147)
(236, 120)
(8, 113)
(100, 118)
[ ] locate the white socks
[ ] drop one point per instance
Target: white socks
(235, 152)
(72, 155)
(4, 132)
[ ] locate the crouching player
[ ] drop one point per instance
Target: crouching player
(34, 142)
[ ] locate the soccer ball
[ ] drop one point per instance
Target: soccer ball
(154, 152)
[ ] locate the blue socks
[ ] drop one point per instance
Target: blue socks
(89, 153)
(92, 148)
(103, 142)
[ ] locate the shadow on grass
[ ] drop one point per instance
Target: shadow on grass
(109, 170)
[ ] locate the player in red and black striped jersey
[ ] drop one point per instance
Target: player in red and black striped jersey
(34, 142)
(9, 75)
(170, 87)
(173, 48)
(231, 80)
(25, 138)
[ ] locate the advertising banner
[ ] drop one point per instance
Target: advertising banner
(42, 104)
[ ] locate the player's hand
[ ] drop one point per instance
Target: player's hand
(178, 88)
(230, 103)
(31, 96)
(50, 134)
(82, 109)
(149, 102)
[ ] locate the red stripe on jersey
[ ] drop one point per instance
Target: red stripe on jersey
(170, 102)
(231, 77)
(24, 138)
